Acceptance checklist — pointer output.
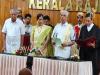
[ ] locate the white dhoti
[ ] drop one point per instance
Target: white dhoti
(62, 52)
(65, 33)
(12, 44)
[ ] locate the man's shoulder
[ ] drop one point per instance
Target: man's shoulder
(96, 27)
(85, 26)
(8, 20)
(69, 24)
(57, 25)
(66, 24)
(19, 21)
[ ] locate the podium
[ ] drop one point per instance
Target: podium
(12, 64)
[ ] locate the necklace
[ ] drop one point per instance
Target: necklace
(39, 29)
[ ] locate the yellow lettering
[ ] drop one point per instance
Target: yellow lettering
(54, 5)
(59, 4)
(39, 4)
(88, 6)
(97, 6)
(79, 6)
(75, 5)
(46, 4)
(32, 4)
(69, 5)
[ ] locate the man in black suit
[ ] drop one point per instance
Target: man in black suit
(92, 52)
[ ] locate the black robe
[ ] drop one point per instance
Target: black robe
(91, 54)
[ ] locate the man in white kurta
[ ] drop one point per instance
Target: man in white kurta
(13, 30)
(65, 33)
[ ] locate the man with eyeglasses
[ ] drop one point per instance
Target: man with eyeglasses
(77, 27)
(63, 36)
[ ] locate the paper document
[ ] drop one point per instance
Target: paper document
(57, 41)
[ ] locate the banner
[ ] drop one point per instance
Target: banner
(71, 5)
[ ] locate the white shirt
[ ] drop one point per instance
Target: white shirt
(80, 25)
(59, 31)
(13, 31)
(28, 28)
(90, 27)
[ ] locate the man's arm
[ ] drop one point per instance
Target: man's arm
(32, 37)
(22, 33)
(68, 43)
(72, 38)
(21, 43)
(4, 42)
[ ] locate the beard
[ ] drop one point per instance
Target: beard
(13, 19)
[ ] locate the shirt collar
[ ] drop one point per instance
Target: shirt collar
(80, 25)
(64, 24)
(90, 27)
(27, 25)
(13, 22)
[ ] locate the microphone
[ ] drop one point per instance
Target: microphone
(29, 62)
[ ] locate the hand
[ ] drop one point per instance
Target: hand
(91, 45)
(63, 44)
(53, 43)
(38, 52)
(3, 49)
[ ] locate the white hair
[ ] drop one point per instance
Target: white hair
(14, 10)
(64, 12)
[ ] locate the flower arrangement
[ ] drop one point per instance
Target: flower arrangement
(75, 57)
(24, 51)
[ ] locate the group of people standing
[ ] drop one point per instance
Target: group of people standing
(18, 32)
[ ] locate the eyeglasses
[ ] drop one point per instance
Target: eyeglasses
(62, 15)
(79, 17)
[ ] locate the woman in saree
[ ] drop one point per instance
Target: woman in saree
(40, 36)
(50, 51)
